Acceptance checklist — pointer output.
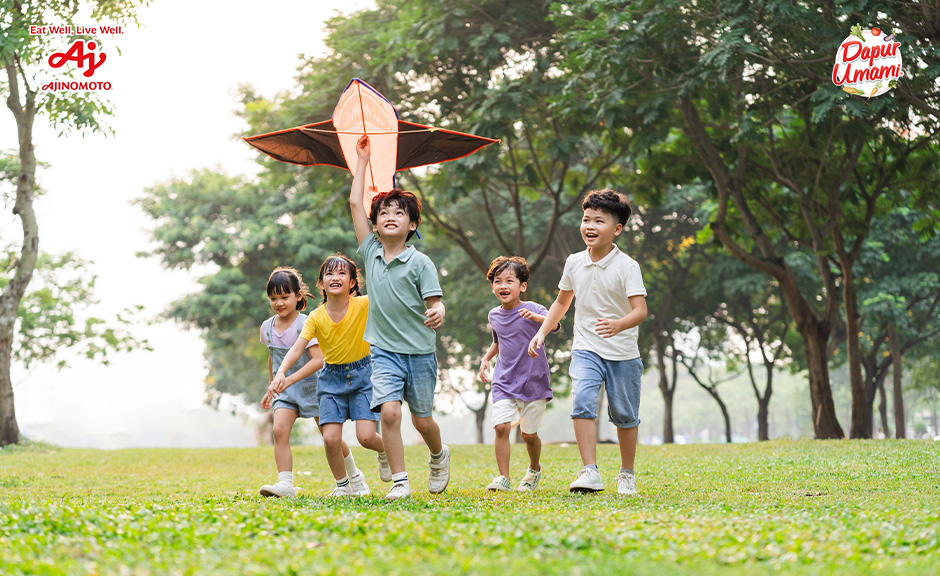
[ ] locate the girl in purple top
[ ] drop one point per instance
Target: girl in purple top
(287, 294)
(521, 387)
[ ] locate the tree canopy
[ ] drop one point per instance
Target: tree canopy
(729, 102)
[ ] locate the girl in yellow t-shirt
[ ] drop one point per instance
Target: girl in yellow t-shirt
(344, 389)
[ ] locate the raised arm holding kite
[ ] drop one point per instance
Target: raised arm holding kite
(396, 144)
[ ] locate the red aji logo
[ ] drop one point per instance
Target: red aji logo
(77, 54)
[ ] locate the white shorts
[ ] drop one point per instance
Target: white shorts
(528, 413)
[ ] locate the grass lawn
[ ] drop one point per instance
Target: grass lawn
(781, 507)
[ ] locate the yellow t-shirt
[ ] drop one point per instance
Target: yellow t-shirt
(340, 343)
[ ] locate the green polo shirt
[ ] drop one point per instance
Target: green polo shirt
(397, 291)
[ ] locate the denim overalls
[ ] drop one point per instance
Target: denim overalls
(301, 396)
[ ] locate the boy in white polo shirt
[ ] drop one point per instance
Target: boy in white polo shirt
(611, 304)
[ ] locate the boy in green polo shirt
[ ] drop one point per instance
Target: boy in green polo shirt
(404, 310)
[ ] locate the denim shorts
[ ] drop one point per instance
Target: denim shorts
(301, 397)
(588, 371)
(404, 378)
(345, 391)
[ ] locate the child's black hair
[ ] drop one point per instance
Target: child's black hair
(335, 261)
(518, 265)
(287, 280)
(406, 200)
(613, 203)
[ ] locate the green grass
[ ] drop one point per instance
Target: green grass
(782, 507)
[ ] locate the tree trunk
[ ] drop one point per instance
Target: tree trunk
(9, 431)
(659, 340)
(825, 423)
(896, 371)
(29, 252)
(725, 415)
(872, 371)
(480, 416)
(861, 412)
(883, 408)
(763, 429)
(763, 400)
(712, 389)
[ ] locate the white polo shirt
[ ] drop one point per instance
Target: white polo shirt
(602, 290)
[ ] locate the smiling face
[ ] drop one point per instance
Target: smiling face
(598, 229)
(336, 278)
(284, 304)
(393, 221)
(508, 288)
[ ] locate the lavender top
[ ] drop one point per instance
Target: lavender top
(518, 376)
(286, 338)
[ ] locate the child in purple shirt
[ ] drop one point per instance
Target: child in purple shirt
(521, 387)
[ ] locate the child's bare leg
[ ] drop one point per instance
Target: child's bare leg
(430, 431)
(502, 447)
(533, 444)
(365, 433)
(332, 442)
(627, 438)
(391, 436)
(585, 432)
(284, 419)
(345, 446)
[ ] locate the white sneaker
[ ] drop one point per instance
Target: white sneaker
(500, 483)
(626, 484)
(343, 491)
(530, 481)
(385, 471)
(588, 480)
(439, 476)
(398, 491)
(281, 489)
(358, 485)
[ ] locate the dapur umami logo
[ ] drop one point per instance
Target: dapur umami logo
(81, 55)
(868, 62)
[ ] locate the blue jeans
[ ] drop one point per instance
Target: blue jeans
(588, 371)
(404, 377)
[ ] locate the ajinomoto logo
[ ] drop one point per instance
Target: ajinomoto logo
(868, 63)
(77, 53)
(84, 56)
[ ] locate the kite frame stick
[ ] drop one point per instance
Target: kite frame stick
(362, 114)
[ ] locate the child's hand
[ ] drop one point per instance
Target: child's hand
(363, 148)
(278, 385)
(267, 400)
(526, 313)
(536, 344)
(484, 372)
(435, 317)
(606, 328)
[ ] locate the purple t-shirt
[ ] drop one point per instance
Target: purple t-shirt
(518, 376)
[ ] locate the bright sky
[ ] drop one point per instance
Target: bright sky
(173, 93)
